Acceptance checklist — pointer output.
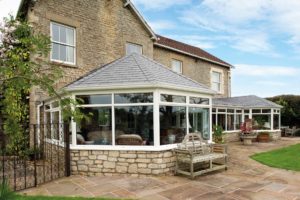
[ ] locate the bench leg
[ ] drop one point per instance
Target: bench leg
(192, 170)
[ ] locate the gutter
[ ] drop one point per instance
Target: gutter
(193, 55)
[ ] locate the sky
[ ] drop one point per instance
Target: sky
(260, 38)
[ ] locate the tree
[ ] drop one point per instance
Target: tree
(23, 65)
(290, 113)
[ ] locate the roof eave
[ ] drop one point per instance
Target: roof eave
(193, 55)
(149, 29)
(139, 86)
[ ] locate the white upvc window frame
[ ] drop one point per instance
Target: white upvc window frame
(250, 114)
(61, 43)
(173, 65)
(156, 120)
(134, 45)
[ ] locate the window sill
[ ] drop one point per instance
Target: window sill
(62, 64)
(123, 148)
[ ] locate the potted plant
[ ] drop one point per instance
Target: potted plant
(263, 137)
(218, 134)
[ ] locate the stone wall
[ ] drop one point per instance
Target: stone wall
(276, 135)
(194, 68)
(102, 29)
(235, 136)
(101, 162)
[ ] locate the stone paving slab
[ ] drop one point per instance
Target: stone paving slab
(245, 179)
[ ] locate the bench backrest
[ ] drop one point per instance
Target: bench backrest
(194, 143)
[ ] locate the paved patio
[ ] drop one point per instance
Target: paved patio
(245, 179)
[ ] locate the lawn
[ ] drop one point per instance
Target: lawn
(56, 198)
(285, 158)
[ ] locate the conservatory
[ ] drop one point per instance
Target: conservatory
(229, 113)
(136, 103)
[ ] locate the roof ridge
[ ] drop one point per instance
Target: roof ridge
(97, 69)
(202, 85)
(133, 55)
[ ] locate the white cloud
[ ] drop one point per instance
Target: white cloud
(251, 24)
(196, 40)
(162, 25)
(160, 4)
(266, 71)
(271, 83)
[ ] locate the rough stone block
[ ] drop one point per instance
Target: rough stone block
(108, 164)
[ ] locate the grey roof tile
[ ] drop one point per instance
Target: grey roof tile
(250, 101)
(133, 70)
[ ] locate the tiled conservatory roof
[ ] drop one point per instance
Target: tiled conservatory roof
(135, 71)
(251, 101)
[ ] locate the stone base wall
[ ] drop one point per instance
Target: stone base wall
(276, 135)
(104, 162)
(235, 136)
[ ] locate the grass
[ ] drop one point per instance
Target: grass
(285, 158)
(56, 198)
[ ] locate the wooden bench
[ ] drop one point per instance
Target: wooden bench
(195, 156)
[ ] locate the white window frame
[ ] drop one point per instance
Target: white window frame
(173, 66)
(128, 44)
(61, 43)
(221, 83)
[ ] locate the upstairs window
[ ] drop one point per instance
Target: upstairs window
(216, 81)
(133, 48)
(177, 66)
(63, 43)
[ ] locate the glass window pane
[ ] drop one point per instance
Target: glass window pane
(177, 66)
(198, 100)
(256, 111)
(94, 99)
(70, 36)
(133, 48)
(134, 98)
(222, 110)
(63, 53)
(221, 120)
(266, 111)
(246, 111)
(97, 130)
(216, 77)
(216, 86)
(47, 126)
(134, 125)
(70, 54)
(230, 111)
(261, 122)
(172, 124)
(276, 122)
(230, 122)
(63, 35)
(172, 98)
(55, 51)
(199, 122)
(55, 32)
(238, 122)
(55, 125)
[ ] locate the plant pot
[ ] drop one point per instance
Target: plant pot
(263, 137)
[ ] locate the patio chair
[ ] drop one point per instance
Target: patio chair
(291, 131)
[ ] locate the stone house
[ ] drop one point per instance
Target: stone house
(145, 91)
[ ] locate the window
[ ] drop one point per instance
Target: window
(133, 48)
(172, 124)
(216, 81)
(177, 66)
(97, 128)
(199, 122)
(134, 98)
(63, 43)
(134, 122)
(94, 99)
(172, 98)
(198, 100)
